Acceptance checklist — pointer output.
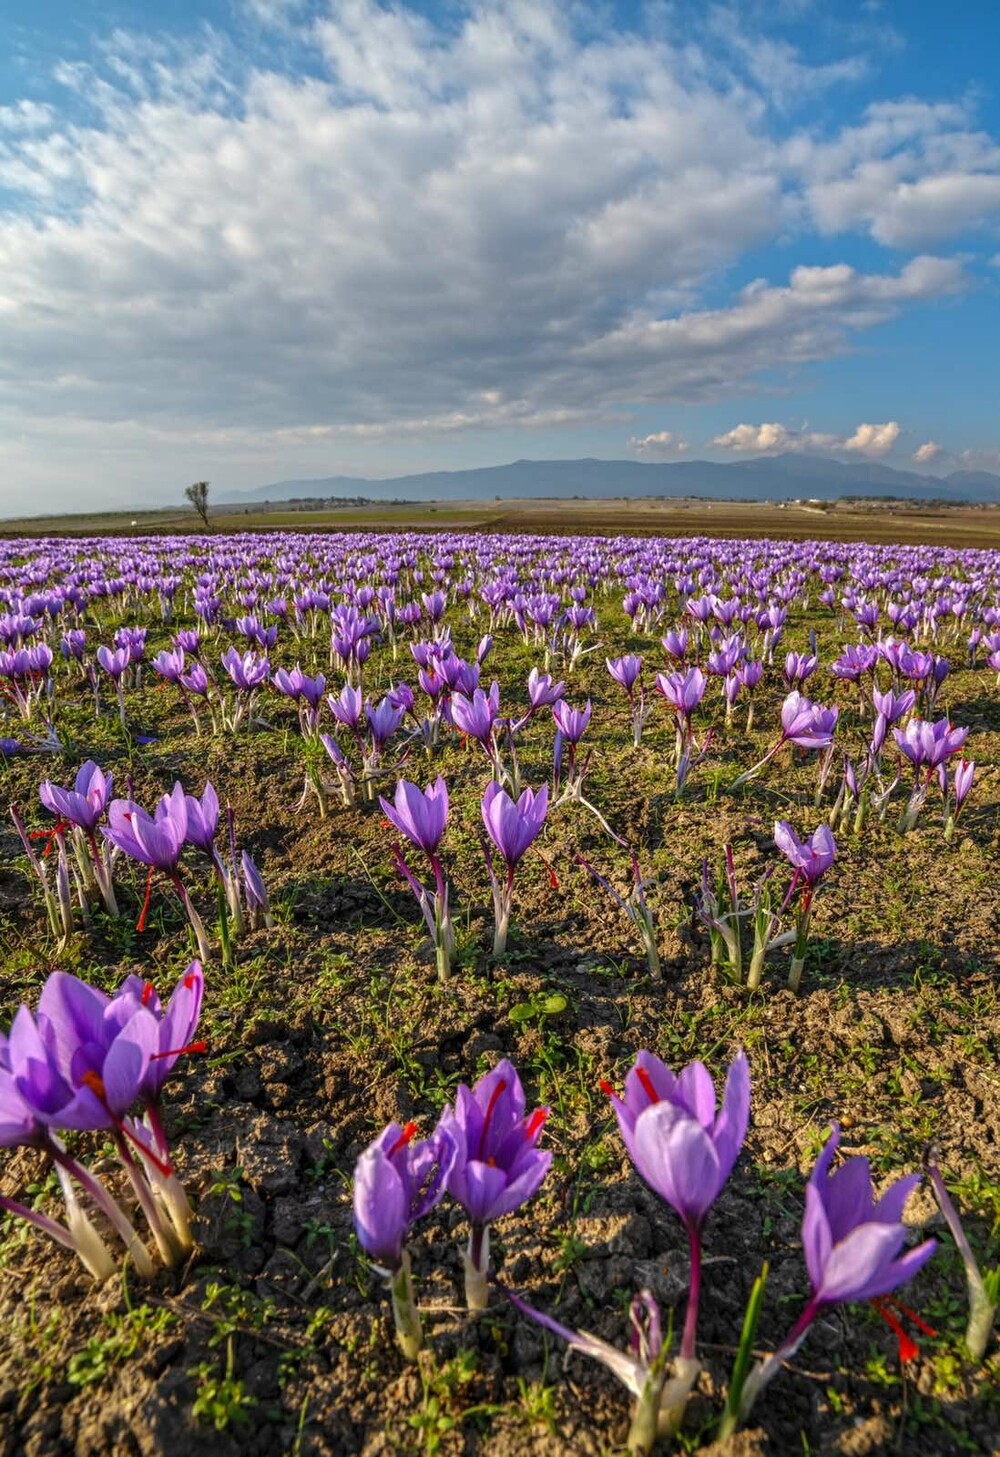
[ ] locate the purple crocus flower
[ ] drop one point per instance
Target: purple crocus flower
(195, 680)
(348, 708)
(497, 1165)
(962, 781)
(513, 826)
(246, 670)
(625, 670)
(114, 662)
(383, 721)
(202, 819)
(676, 644)
(542, 691)
(296, 684)
(854, 661)
(82, 805)
(683, 690)
(255, 891)
(852, 1245)
(572, 722)
(851, 1241)
(400, 697)
(176, 1024)
(929, 744)
(288, 681)
(476, 716)
(420, 815)
(683, 1148)
(892, 706)
(397, 1181)
(169, 665)
(81, 1063)
(806, 723)
(73, 643)
(800, 666)
(155, 840)
(812, 858)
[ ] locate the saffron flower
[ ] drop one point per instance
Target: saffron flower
(852, 1244)
(804, 723)
(203, 820)
(627, 671)
(812, 858)
(156, 840)
(572, 722)
(810, 861)
(255, 892)
(684, 690)
(85, 803)
(962, 777)
(682, 1147)
(497, 1165)
(512, 826)
(928, 746)
(82, 1063)
(421, 816)
(397, 1181)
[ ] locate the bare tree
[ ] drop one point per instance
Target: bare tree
(198, 496)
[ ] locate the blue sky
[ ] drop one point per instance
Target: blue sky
(254, 239)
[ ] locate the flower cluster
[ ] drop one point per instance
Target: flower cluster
(84, 1061)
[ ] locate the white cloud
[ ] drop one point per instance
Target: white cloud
(500, 222)
(986, 459)
(912, 173)
(770, 438)
(701, 354)
(754, 438)
(26, 116)
(924, 454)
(660, 443)
(873, 439)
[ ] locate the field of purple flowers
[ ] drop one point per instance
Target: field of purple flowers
(498, 995)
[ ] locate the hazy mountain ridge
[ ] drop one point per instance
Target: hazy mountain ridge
(776, 478)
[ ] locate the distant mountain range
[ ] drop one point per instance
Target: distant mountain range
(773, 478)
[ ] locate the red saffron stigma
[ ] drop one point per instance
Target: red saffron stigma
(94, 1082)
(147, 993)
(647, 1084)
(534, 1123)
(921, 1324)
(189, 981)
(553, 882)
(140, 925)
(161, 1164)
(908, 1348)
(409, 1130)
(500, 1088)
(179, 1051)
(606, 1088)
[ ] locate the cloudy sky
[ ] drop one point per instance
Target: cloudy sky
(251, 239)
